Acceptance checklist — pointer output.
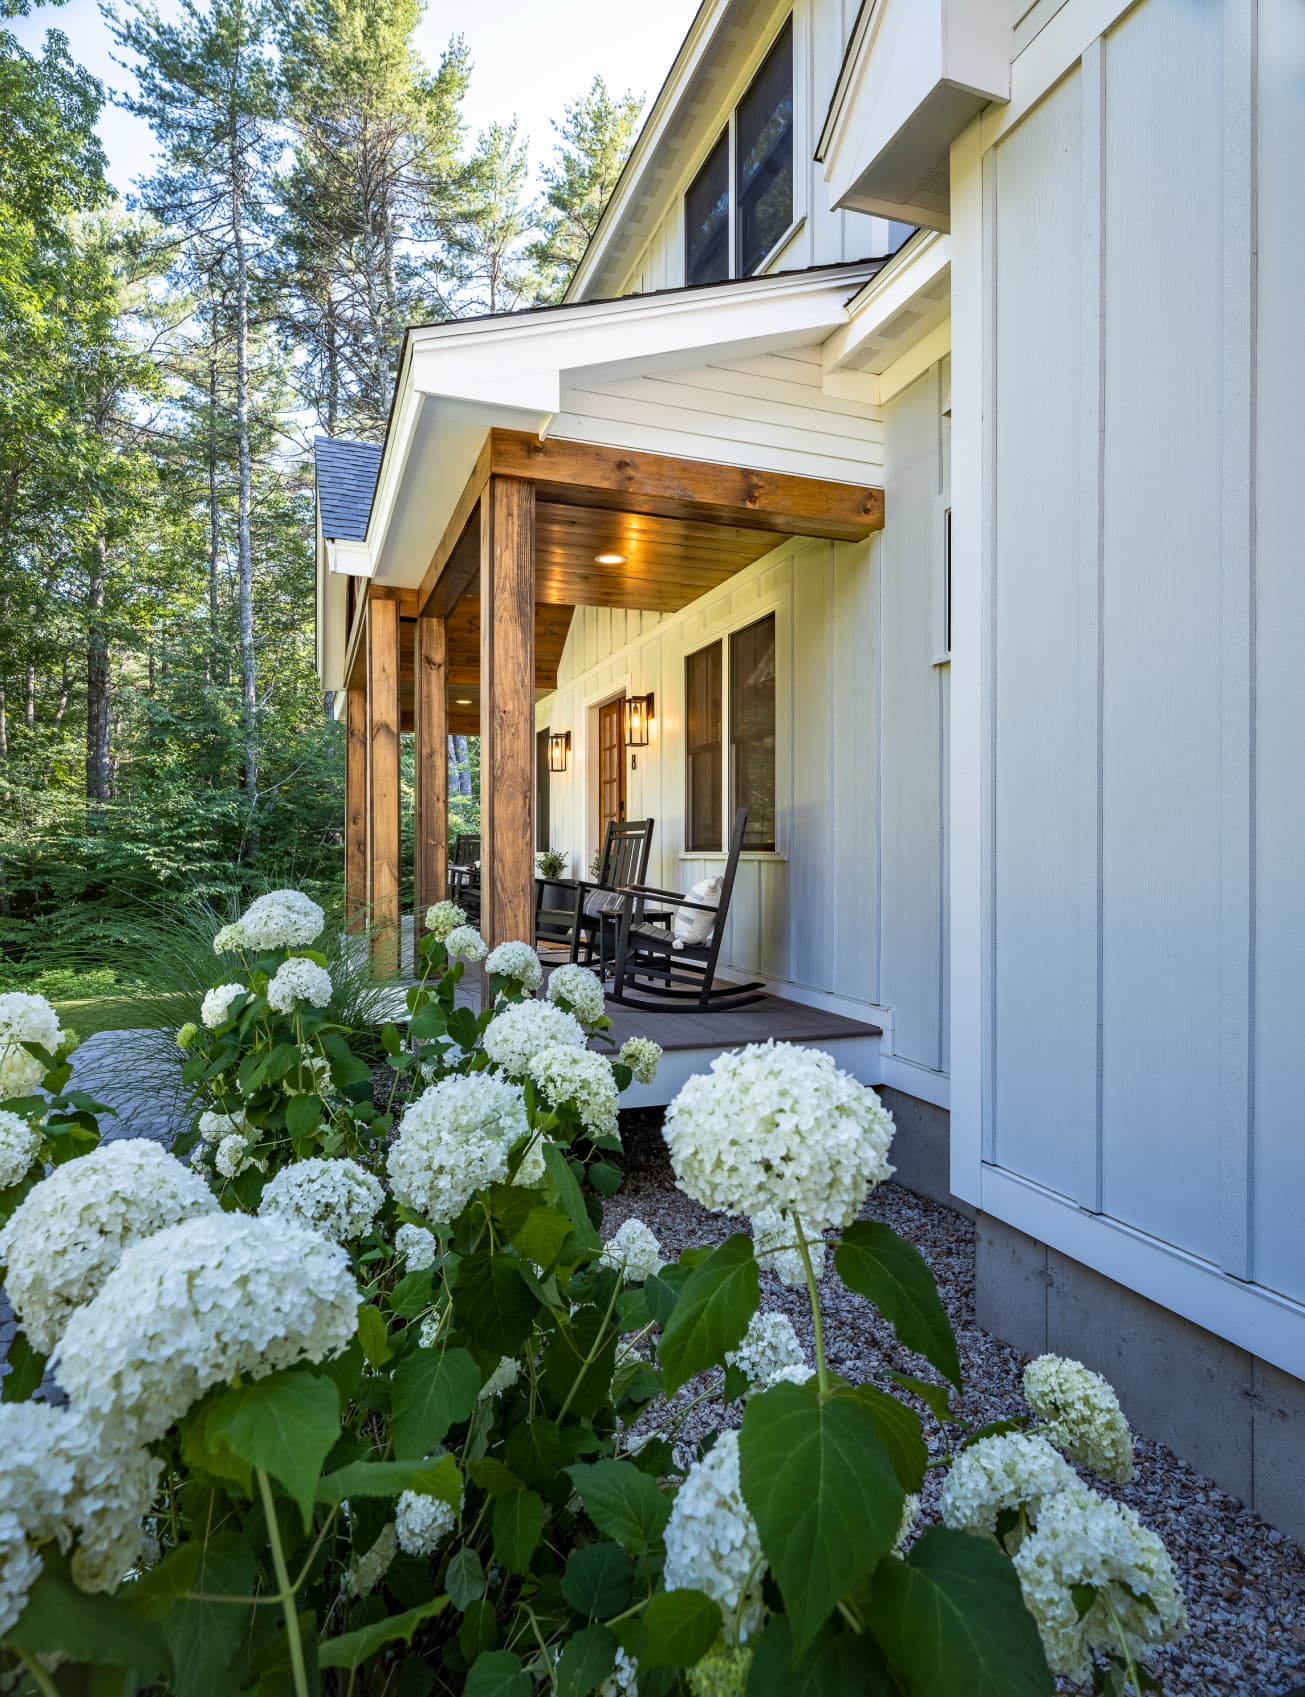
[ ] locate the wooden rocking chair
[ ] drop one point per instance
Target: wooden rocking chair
(599, 905)
(464, 874)
(678, 975)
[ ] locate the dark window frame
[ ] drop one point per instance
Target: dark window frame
(705, 836)
(727, 752)
(750, 256)
(744, 738)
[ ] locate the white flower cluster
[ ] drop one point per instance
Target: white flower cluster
(69, 1232)
(504, 1376)
(778, 1126)
(455, 1140)
(214, 1126)
(115, 1487)
(775, 1244)
(1084, 1541)
(19, 1141)
(582, 1079)
(335, 1197)
(770, 1346)
(233, 1155)
(282, 919)
(444, 917)
(517, 1034)
(217, 1004)
(25, 1018)
(634, 1251)
(465, 943)
(712, 1543)
(311, 1076)
(643, 1057)
(578, 990)
(422, 1523)
(1083, 1415)
(416, 1247)
(299, 980)
(197, 1304)
(1015, 1471)
(517, 961)
(366, 1571)
(623, 1681)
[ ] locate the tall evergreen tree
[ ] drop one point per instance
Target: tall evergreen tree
(495, 270)
(594, 138)
(208, 87)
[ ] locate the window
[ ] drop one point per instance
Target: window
(947, 581)
(702, 692)
(735, 214)
(751, 773)
(543, 790)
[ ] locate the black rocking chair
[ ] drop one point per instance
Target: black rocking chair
(598, 906)
(464, 874)
(678, 977)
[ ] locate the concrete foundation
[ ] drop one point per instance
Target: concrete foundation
(921, 1149)
(1233, 1416)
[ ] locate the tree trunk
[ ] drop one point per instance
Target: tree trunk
(99, 688)
(248, 682)
(332, 366)
(57, 726)
(214, 532)
(30, 710)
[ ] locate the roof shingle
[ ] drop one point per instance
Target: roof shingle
(346, 481)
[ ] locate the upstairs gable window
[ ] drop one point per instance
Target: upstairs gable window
(741, 201)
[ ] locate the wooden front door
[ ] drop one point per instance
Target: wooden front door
(611, 766)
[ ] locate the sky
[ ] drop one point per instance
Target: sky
(528, 60)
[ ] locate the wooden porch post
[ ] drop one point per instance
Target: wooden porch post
(383, 725)
(430, 722)
(355, 808)
(507, 710)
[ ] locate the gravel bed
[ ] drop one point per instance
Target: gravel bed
(1245, 1582)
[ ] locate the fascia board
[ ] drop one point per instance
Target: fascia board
(351, 559)
(885, 295)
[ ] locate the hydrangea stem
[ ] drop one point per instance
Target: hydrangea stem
(822, 1372)
(285, 1590)
(44, 1684)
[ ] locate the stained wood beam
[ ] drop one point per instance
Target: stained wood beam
(383, 797)
(355, 808)
(430, 723)
(355, 655)
(507, 710)
(584, 474)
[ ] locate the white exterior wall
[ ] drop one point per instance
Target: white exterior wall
(1129, 951)
(852, 905)
(820, 235)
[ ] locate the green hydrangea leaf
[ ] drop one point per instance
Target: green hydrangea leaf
(433, 1390)
(837, 1664)
(679, 1627)
(878, 1264)
(439, 1478)
(492, 1302)
(286, 1424)
(352, 1649)
(623, 1502)
(86, 1626)
(712, 1313)
(598, 1581)
(498, 1673)
(587, 1659)
(517, 1523)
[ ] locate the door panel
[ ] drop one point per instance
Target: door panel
(611, 766)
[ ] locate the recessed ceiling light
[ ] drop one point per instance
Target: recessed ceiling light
(609, 559)
(462, 701)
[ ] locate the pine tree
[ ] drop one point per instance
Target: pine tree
(493, 260)
(593, 142)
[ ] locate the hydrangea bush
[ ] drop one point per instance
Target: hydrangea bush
(385, 1411)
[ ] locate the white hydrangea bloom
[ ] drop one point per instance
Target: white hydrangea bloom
(712, 1543)
(20, 1567)
(578, 1076)
(455, 1140)
(19, 1141)
(722, 1672)
(1015, 1470)
(504, 1376)
(197, 1304)
(1083, 1415)
(518, 961)
(796, 1373)
(465, 943)
(775, 1244)
(643, 1057)
(333, 1196)
(40, 1469)
(114, 1489)
(213, 1126)
(282, 919)
(69, 1232)
(623, 1681)
(443, 918)
(422, 1523)
(634, 1251)
(299, 980)
(522, 1029)
(769, 1345)
(233, 1155)
(416, 1247)
(366, 1571)
(217, 1004)
(779, 1126)
(1081, 1539)
(580, 989)
(25, 1018)
(230, 939)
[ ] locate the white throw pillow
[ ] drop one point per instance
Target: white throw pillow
(690, 926)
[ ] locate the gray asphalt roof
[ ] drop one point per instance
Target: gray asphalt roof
(346, 482)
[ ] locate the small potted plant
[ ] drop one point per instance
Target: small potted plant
(552, 863)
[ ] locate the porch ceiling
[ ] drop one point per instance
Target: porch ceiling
(463, 629)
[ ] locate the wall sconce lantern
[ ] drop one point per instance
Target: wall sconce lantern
(559, 751)
(638, 716)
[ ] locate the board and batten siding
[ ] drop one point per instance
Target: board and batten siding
(1144, 582)
(852, 903)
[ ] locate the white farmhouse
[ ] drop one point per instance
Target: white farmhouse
(918, 448)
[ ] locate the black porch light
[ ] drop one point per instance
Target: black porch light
(559, 751)
(638, 716)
